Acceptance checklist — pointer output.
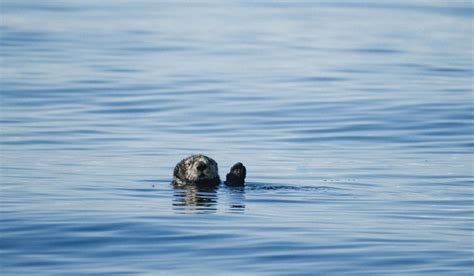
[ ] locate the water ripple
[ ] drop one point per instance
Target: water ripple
(354, 120)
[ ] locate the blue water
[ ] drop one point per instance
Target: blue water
(354, 120)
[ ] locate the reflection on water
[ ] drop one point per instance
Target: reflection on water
(204, 198)
(201, 198)
(236, 198)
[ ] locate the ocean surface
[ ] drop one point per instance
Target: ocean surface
(354, 120)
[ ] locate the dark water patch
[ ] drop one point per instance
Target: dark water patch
(447, 133)
(156, 49)
(382, 51)
(42, 92)
(23, 38)
(450, 71)
(41, 7)
(37, 102)
(194, 92)
(457, 90)
(156, 181)
(455, 11)
(133, 102)
(135, 190)
(278, 187)
(33, 142)
(321, 79)
(98, 229)
(348, 128)
(121, 70)
(385, 139)
(123, 111)
(94, 82)
(397, 261)
(401, 175)
(246, 98)
(443, 202)
(71, 132)
(10, 121)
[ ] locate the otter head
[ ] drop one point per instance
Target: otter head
(196, 169)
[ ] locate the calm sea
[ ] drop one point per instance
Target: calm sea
(354, 119)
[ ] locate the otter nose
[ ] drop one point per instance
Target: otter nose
(201, 166)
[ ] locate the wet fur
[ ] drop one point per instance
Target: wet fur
(236, 176)
(201, 170)
(186, 172)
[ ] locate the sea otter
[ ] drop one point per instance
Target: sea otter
(201, 170)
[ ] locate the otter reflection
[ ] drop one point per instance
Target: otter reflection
(236, 198)
(201, 197)
(204, 198)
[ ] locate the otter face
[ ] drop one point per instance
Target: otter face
(196, 169)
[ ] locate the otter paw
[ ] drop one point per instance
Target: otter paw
(236, 176)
